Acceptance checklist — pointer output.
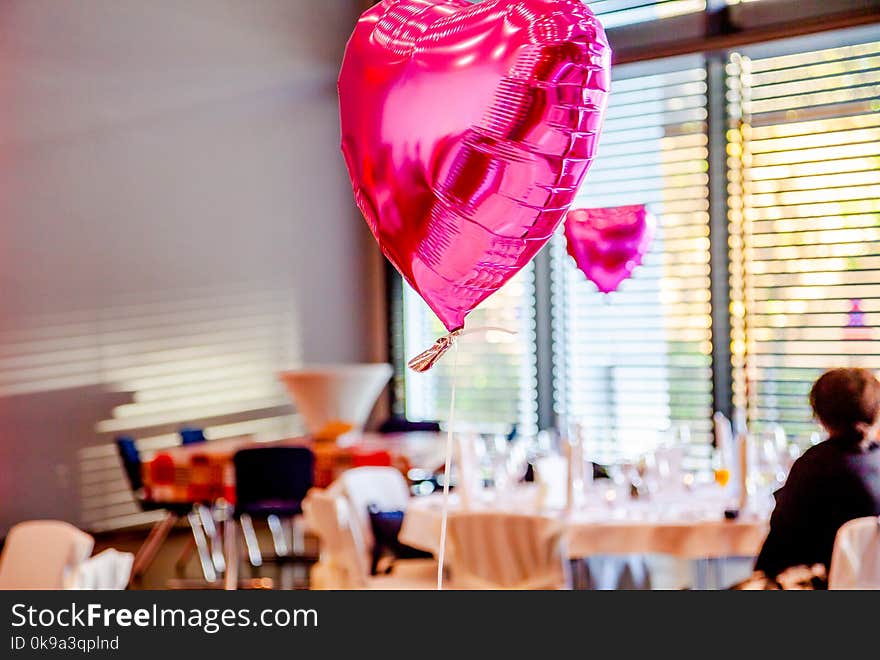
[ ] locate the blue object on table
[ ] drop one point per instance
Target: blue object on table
(191, 436)
(398, 424)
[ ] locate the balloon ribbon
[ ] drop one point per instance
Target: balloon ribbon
(421, 363)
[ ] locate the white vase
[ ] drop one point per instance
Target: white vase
(340, 396)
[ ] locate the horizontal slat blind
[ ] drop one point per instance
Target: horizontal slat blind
(496, 375)
(805, 183)
(208, 360)
(634, 364)
(614, 13)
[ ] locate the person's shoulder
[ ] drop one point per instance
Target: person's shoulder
(817, 452)
(817, 457)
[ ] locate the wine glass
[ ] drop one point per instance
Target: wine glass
(766, 470)
(625, 480)
(497, 455)
(547, 442)
(518, 455)
(720, 470)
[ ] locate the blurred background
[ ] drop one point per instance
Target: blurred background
(177, 227)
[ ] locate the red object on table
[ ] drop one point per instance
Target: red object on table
(161, 471)
(380, 457)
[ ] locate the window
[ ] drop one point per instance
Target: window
(616, 13)
(496, 377)
(633, 364)
(805, 222)
(794, 133)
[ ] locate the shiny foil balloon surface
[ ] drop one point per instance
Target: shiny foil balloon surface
(608, 244)
(467, 129)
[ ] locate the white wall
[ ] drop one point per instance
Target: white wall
(175, 226)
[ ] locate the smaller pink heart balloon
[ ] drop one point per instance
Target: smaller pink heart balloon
(607, 244)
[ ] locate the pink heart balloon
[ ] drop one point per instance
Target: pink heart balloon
(467, 129)
(607, 244)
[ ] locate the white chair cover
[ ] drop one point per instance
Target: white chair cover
(507, 551)
(343, 563)
(343, 558)
(855, 562)
(383, 486)
(109, 569)
(43, 554)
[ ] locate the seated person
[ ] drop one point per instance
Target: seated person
(832, 482)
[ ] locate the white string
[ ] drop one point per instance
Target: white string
(441, 557)
(486, 328)
(446, 471)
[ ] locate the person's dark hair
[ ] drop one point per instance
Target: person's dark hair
(847, 403)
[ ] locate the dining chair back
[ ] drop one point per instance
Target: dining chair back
(107, 570)
(343, 563)
(507, 551)
(383, 487)
(131, 462)
(855, 560)
(272, 480)
(162, 471)
(43, 554)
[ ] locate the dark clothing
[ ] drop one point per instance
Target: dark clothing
(831, 483)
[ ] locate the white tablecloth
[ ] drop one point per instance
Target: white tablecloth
(688, 526)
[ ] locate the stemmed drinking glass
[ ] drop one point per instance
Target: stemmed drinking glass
(518, 455)
(767, 469)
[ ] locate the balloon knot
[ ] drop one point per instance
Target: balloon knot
(427, 359)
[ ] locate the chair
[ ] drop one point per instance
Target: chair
(507, 551)
(107, 570)
(855, 560)
(43, 554)
(199, 522)
(270, 485)
(343, 562)
(384, 487)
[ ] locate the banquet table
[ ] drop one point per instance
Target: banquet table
(204, 472)
(687, 525)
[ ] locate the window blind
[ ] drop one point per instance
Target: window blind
(614, 13)
(804, 176)
(634, 365)
(496, 383)
(208, 359)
